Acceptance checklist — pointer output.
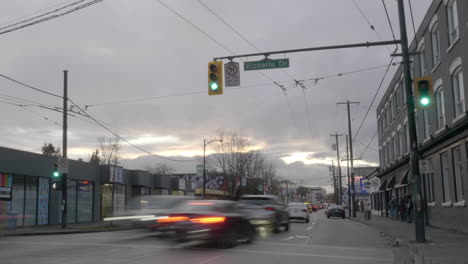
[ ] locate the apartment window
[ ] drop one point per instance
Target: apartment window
(397, 145)
(403, 94)
(445, 171)
(384, 120)
(440, 110)
(452, 16)
(400, 140)
(390, 112)
(458, 175)
(430, 182)
(458, 92)
(392, 149)
(388, 153)
(408, 147)
(435, 44)
(383, 157)
(426, 124)
(422, 60)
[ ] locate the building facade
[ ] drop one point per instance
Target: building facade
(93, 191)
(440, 51)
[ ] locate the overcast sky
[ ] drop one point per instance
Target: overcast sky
(142, 69)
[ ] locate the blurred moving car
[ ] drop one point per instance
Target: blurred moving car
(335, 211)
(257, 215)
(152, 208)
(298, 211)
(210, 220)
(271, 203)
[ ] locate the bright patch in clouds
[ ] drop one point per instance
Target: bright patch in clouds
(148, 140)
(304, 157)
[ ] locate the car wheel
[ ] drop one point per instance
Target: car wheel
(276, 226)
(228, 241)
(307, 220)
(286, 227)
(328, 216)
(343, 217)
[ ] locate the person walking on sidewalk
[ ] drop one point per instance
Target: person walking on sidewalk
(392, 207)
(402, 209)
(409, 208)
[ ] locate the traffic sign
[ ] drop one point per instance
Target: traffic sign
(232, 74)
(424, 167)
(244, 181)
(199, 170)
(266, 64)
(62, 165)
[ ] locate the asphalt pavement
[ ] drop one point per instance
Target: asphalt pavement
(322, 241)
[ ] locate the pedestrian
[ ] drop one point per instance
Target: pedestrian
(409, 208)
(402, 209)
(361, 208)
(393, 205)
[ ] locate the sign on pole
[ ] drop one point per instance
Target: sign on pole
(244, 181)
(424, 167)
(199, 170)
(62, 165)
(231, 74)
(266, 64)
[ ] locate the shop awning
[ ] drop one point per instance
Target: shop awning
(383, 185)
(391, 182)
(404, 179)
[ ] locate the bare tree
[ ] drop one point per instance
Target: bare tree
(50, 150)
(161, 169)
(110, 155)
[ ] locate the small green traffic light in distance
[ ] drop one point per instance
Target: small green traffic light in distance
(56, 174)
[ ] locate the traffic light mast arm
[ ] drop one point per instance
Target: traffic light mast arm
(344, 46)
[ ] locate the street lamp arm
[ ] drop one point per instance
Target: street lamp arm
(220, 140)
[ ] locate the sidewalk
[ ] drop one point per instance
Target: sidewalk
(443, 246)
(57, 229)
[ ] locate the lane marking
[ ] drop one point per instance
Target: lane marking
(210, 259)
(229, 250)
(310, 227)
(319, 246)
(287, 238)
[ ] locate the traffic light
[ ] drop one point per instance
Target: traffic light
(423, 91)
(55, 172)
(215, 78)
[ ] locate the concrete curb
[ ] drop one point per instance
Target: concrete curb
(418, 259)
(62, 232)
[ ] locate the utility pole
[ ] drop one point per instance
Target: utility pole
(64, 147)
(414, 153)
(340, 195)
(335, 189)
(350, 133)
(349, 180)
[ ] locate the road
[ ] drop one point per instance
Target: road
(322, 241)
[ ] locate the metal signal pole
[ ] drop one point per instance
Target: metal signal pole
(349, 180)
(414, 152)
(64, 146)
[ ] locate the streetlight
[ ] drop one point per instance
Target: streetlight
(204, 161)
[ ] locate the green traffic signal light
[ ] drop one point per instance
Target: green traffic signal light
(425, 101)
(214, 86)
(56, 174)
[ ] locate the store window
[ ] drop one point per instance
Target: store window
(30, 201)
(71, 201)
(43, 201)
(445, 176)
(430, 182)
(85, 201)
(458, 175)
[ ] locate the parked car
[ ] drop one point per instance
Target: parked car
(210, 220)
(336, 211)
(271, 203)
(298, 211)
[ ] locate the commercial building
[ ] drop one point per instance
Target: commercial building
(93, 191)
(439, 50)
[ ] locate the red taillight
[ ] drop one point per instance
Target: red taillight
(172, 219)
(208, 220)
(304, 210)
(270, 208)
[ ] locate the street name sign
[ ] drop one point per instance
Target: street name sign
(231, 74)
(266, 64)
(62, 165)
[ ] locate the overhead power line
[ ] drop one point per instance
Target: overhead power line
(29, 86)
(34, 112)
(123, 139)
(368, 145)
(412, 22)
(41, 15)
(47, 18)
(373, 99)
(389, 21)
